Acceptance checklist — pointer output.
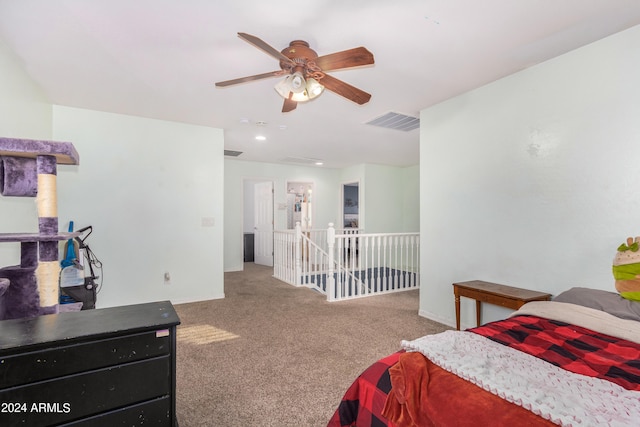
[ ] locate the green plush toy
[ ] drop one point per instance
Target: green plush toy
(626, 269)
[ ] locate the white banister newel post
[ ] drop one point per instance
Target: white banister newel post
(331, 282)
(298, 254)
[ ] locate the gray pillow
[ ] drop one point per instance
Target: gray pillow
(611, 302)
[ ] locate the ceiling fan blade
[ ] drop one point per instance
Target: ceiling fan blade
(263, 46)
(289, 104)
(249, 78)
(345, 89)
(347, 58)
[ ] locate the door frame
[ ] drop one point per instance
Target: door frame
(252, 181)
(360, 207)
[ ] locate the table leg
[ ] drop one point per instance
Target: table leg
(478, 312)
(457, 298)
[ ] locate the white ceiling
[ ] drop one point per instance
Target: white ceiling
(161, 58)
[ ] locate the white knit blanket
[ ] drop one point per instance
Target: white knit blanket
(565, 398)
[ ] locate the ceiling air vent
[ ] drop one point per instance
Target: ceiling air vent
(396, 121)
(232, 153)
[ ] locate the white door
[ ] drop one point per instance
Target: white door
(263, 223)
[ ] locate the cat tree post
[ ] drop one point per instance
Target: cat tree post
(48, 270)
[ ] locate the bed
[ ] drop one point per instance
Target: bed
(573, 361)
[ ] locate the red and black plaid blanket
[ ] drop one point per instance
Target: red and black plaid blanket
(363, 402)
(570, 347)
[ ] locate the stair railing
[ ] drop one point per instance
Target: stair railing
(350, 265)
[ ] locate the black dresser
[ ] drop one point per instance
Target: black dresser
(106, 367)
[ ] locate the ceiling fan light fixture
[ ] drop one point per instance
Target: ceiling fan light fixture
(293, 83)
(299, 97)
(282, 87)
(296, 82)
(311, 90)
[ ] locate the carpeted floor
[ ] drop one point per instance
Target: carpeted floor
(271, 354)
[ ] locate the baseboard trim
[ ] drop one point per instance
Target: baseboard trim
(190, 300)
(436, 318)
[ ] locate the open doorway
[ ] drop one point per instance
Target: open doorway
(300, 205)
(351, 205)
(258, 221)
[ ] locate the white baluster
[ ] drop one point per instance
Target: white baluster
(297, 254)
(331, 284)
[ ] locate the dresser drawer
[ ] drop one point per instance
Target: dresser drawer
(492, 299)
(53, 362)
(90, 393)
(155, 413)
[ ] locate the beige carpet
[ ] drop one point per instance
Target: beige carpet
(271, 354)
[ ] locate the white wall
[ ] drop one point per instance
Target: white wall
(411, 199)
(385, 206)
(532, 180)
(382, 202)
(145, 185)
(24, 113)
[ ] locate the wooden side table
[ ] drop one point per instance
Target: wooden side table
(494, 293)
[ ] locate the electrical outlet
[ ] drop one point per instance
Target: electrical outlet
(167, 278)
(208, 221)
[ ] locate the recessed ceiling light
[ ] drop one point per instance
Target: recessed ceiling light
(261, 123)
(244, 120)
(282, 127)
(319, 163)
(261, 138)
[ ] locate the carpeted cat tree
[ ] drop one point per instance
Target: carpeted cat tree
(28, 168)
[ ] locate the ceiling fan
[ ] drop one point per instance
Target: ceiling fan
(305, 72)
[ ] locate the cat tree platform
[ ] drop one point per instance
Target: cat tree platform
(64, 152)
